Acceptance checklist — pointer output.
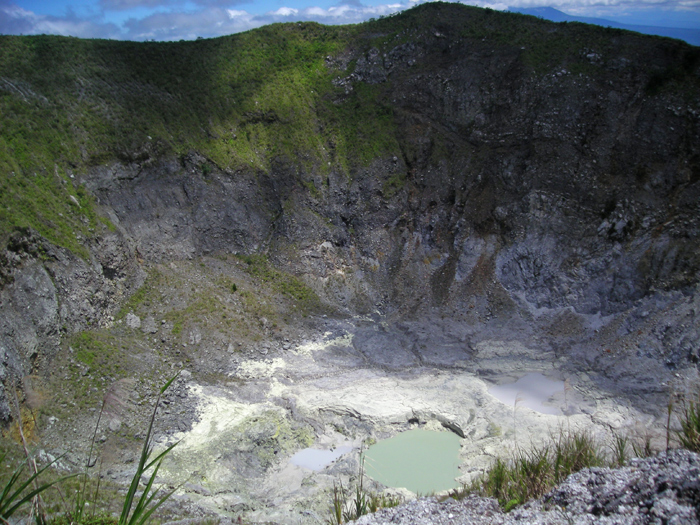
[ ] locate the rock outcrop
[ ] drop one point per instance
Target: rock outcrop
(50, 292)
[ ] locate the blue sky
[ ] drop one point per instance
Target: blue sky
(188, 19)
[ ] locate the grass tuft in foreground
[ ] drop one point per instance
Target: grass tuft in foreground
(348, 505)
(19, 491)
(530, 474)
(137, 511)
(689, 433)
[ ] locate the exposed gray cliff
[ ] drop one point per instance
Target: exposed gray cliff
(565, 203)
(50, 293)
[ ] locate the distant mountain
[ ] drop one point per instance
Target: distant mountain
(692, 36)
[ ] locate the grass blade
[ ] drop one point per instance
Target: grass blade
(140, 514)
(11, 500)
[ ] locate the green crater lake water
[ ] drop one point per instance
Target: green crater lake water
(423, 461)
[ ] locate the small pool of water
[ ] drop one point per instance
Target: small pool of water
(423, 461)
(317, 459)
(531, 391)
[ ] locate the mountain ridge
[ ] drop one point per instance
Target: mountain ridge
(689, 35)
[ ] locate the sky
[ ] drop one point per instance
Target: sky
(190, 19)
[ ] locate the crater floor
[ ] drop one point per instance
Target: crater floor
(346, 397)
(264, 377)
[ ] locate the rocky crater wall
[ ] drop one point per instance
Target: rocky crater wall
(549, 204)
(49, 293)
(530, 218)
(511, 196)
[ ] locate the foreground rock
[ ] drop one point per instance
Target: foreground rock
(662, 489)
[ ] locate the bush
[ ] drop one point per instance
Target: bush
(346, 508)
(17, 492)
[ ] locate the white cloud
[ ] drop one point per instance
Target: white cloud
(189, 25)
(285, 11)
(15, 21)
(188, 19)
(342, 11)
(232, 13)
(314, 11)
(345, 13)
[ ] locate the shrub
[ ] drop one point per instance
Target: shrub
(136, 509)
(346, 508)
(145, 505)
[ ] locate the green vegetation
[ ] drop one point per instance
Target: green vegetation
(288, 285)
(146, 504)
(19, 491)
(87, 363)
(93, 348)
(67, 105)
(202, 309)
(350, 505)
(147, 294)
(104, 354)
(47, 201)
(245, 100)
(689, 433)
(531, 473)
(393, 184)
(208, 308)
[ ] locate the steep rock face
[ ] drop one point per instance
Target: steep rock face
(590, 203)
(566, 199)
(173, 210)
(51, 292)
(555, 197)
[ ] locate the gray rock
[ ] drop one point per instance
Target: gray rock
(133, 321)
(197, 489)
(148, 325)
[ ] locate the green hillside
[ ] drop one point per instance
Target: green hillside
(241, 101)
